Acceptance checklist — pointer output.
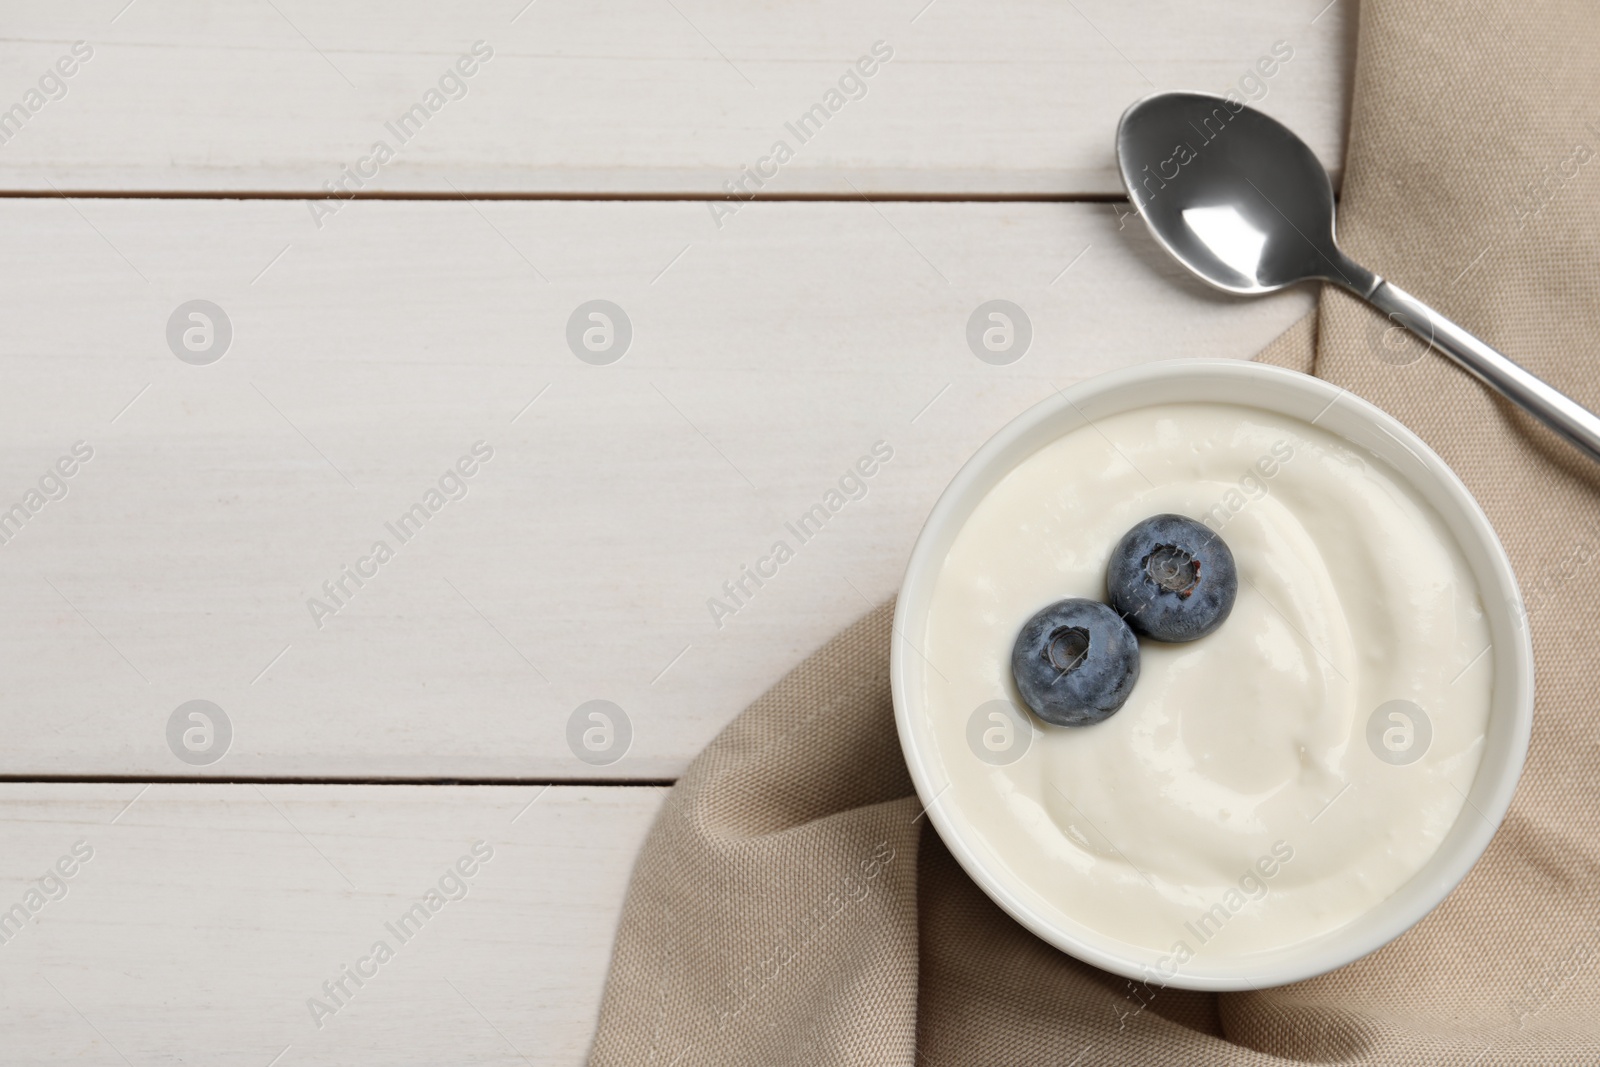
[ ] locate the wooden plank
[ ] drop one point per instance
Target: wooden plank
(767, 360)
(206, 917)
(635, 97)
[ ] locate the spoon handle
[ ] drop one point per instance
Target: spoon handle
(1539, 398)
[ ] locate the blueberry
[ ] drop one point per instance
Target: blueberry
(1172, 578)
(1075, 662)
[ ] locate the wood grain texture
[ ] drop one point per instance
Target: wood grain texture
(767, 359)
(636, 97)
(363, 334)
(373, 344)
(207, 917)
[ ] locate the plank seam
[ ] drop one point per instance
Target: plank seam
(877, 198)
(178, 779)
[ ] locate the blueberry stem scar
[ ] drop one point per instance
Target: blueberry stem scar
(1172, 569)
(1067, 649)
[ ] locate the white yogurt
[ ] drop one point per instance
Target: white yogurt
(1234, 804)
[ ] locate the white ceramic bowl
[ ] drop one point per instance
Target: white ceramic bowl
(1285, 392)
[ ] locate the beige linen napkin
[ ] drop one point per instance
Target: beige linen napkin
(791, 905)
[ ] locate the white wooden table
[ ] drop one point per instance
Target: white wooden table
(391, 350)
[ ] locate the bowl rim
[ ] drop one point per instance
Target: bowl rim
(1511, 712)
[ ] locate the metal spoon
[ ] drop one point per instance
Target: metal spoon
(1242, 202)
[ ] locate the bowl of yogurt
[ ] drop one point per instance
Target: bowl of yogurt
(1279, 797)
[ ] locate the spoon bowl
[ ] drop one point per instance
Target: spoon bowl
(1232, 193)
(1239, 199)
